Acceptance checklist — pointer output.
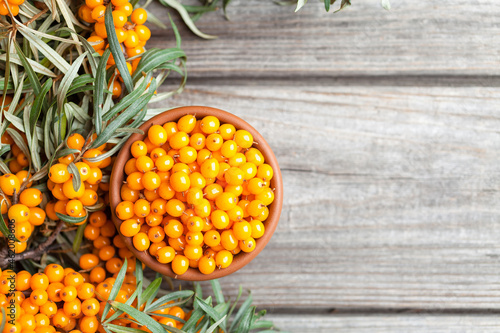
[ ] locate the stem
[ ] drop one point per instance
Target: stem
(35, 253)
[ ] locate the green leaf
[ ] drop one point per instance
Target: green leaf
(2, 324)
(67, 80)
(36, 109)
(262, 324)
(91, 51)
(77, 181)
(186, 18)
(116, 288)
(386, 4)
(125, 116)
(190, 325)
(100, 85)
(29, 70)
(141, 317)
(151, 291)
(225, 3)
(208, 309)
(37, 67)
(4, 149)
(152, 60)
(216, 324)
(18, 139)
(78, 238)
(219, 296)
(71, 219)
(246, 320)
(160, 303)
(300, 4)
(116, 49)
(123, 329)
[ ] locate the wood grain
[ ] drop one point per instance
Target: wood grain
(387, 323)
(391, 194)
(416, 37)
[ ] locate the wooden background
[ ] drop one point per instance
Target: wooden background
(386, 126)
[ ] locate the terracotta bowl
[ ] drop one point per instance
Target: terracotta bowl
(241, 259)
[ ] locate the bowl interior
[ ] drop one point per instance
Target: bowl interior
(241, 259)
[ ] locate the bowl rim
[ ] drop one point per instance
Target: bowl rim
(240, 260)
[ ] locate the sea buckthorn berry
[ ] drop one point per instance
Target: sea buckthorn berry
(180, 264)
(23, 176)
(197, 141)
(98, 15)
(97, 274)
(98, 219)
(194, 196)
(132, 40)
(142, 208)
(174, 228)
(134, 181)
(165, 191)
(157, 153)
(164, 163)
(142, 32)
(37, 216)
(193, 252)
(209, 124)
(175, 207)
(210, 168)
(153, 249)
(54, 272)
(93, 3)
(178, 140)
(141, 241)
(194, 224)
(107, 252)
(18, 213)
(212, 191)
(39, 281)
(165, 254)
(130, 228)
(83, 170)
(23, 280)
(171, 128)
(187, 154)
(31, 308)
(194, 238)
(228, 240)
(54, 291)
(74, 208)
(90, 307)
(70, 192)
(89, 198)
(235, 214)
(243, 138)
(226, 201)
(23, 231)
(180, 181)
(144, 164)
(39, 297)
(159, 206)
(139, 16)
(138, 149)
(151, 181)
(223, 259)
(203, 209)
(211, 238)
(266, 196)
(242, 230)
(85, 13)
(219, 219)
(156, 234)
(9, 183)
(227, 131)
(125, 8)
(156, 134)
(127, 194)
(73, 308)
(254, 156)
(153, 219)
(73, 279)
(88, 261)
(119, 18)
(125, 210)
(247, 245)
(237, 160)
(186, 123)
(27, 322)
(214, 142)
(206, 265)
(114, 265)
(91, 153)
(85, 291)
(75, 141)
(255, 207)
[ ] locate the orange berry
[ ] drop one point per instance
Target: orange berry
(180, 264)
(206, 265)
(139, 16)
(88, 261)
(9, 183)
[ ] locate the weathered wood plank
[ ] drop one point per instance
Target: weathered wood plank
(387, 323)
(416, 37)
(390, 194)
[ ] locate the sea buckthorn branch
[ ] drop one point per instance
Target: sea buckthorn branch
(34, 253)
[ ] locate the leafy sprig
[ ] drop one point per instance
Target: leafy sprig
(210, 314)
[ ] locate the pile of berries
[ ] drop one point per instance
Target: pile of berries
(12, 5)
(69, 201)
(196, 194)
(129, 27)
(61, 299)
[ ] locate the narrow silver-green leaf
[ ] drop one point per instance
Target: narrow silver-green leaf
(116, 288)
(215, 325)
(300, 4)
(99, 86)
(186, 18)
(78, 237)
(36, 109)
(141, 317)
(71, 219)
(68, 78)
(77, 181)
(14, 58)
(29, 70)
(116, 49)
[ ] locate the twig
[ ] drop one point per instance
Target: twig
(35, 253)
